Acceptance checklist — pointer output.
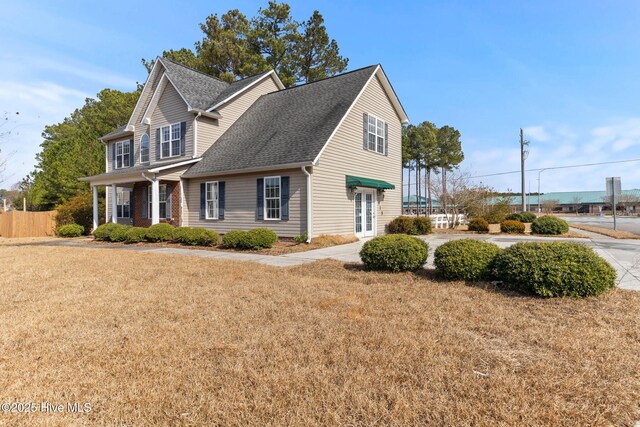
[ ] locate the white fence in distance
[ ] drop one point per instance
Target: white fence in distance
(443, 220)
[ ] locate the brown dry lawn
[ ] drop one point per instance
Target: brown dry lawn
(151, 339)
(616, 234)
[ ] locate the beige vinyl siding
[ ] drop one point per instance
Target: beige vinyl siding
(240, 204)
(210, 130)
(333, 205)
(110, 144)
(171, 109)
(139, 128)
(172, 174)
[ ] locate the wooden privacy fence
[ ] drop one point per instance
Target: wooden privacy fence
(27, 224)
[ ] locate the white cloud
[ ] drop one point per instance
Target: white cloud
(536, 133)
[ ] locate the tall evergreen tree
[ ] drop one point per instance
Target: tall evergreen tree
(450, 155)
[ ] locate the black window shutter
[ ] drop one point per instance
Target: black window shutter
(168, 189)
(365, 131)
(221, 191)
(131, 203)
(113, 157)
(260, 199)
(386, 139)
(203, 200)
(145, 203)
(183, 133)
(132, 153)
(284, 198)
(158, 144)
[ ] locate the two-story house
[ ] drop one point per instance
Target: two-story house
(320, 158)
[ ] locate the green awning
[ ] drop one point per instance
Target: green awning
(356, 181)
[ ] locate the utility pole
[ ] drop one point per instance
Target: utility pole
(523, 155)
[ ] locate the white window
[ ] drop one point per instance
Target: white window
(212, 200)
(170, 142)
(123, 201)
(122, 154)
(163, 201)
(144, 148)
(376, 141)
(272, 197)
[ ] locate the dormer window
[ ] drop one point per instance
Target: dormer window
(144, 148)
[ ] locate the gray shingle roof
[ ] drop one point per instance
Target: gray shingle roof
(118, 132)
(284, 127)
(133, 169)
(199, 90)
(236, 87)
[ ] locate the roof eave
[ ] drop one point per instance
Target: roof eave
(245, 89)
(250, 170)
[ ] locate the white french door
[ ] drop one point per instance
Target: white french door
(365, 213)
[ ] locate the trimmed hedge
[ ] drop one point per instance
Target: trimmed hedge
(119, 234)
(465, 259)
(394, 252)
(258, 238)
(160, 233)
(422, 225)
(70, 230)
(479, 224)
(402, 225)
(510, 226)
(554, 269)
(136, 235)
(105, 231)
(522, 217)
(548, 224)
(195, 236)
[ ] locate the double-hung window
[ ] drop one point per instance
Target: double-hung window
(272, 199)
(123, 202)
(170, 142)
(376, 135)
(122, 154)
(144, 148)
(162, 196)
(211, 196)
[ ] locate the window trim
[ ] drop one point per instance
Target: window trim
(170, 140)
(279, 198)
(148, 148)
(150, 200)
(121, 145)
(120, 207)
(206, 200)
(377, 127)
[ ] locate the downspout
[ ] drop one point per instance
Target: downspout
(309, 209)
(195, 139)
(147, 178)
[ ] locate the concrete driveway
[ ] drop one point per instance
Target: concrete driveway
(630, 224)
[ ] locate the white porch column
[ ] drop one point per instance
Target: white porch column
(95, 207)
(155, 202)
(114, 203)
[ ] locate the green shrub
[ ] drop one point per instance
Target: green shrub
(527, 217)
(195, 236)
(465, 259)
(136, 235)
(301, 238)
(78, 210)
(479, 224)
(498, 212)
(422, 225)
(70, 230)
(105, 231)
(119, 234)
(402, 225)
(160, 233)
(261, 238)
(552, 269)
(548, 224)
(513, 217)
(235, 239)
(510, 226)
(394, 253)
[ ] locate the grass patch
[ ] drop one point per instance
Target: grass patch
(616, 234)
(215, 342)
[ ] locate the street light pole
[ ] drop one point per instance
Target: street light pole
(524, 153)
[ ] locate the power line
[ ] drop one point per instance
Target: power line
(557, 167)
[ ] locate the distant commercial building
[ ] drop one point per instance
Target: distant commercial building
(584, 202)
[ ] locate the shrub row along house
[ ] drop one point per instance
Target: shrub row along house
(319, 158)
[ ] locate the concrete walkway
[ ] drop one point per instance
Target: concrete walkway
(622, 254)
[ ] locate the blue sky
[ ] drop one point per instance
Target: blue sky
(566, 72)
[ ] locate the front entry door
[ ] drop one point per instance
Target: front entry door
(365, 213)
